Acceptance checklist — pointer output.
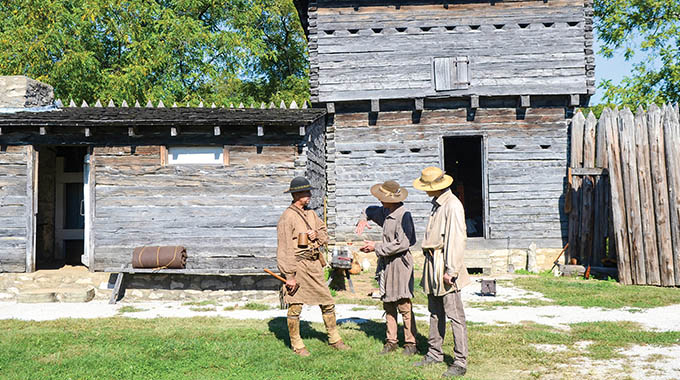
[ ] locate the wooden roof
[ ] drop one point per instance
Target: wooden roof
(102, 117)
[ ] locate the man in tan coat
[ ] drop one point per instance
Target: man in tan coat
(300, 263)
(444, 273)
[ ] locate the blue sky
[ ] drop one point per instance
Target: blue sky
(615, 68)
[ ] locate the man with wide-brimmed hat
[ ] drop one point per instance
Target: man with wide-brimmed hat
(301, 234)
(444, 273)
(395, 263)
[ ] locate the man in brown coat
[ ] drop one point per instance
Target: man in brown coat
(300, 263)
(395, 263)
(444, 273)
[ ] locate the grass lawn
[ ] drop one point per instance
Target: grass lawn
(566, 291)
(215, 348)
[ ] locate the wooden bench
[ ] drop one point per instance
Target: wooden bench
(129, 270)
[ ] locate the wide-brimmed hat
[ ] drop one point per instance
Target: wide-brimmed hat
(299, 184)
(389, 192)
(433, 179)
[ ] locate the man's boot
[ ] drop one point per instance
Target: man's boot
(296, 342)
(334, 340)
(389, 347)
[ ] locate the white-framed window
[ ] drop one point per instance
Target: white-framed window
(195, 155)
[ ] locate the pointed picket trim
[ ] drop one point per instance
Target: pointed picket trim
(111, 104)
(174, 105)
(98, 104)
(84, 104)
(263, 106)
(200, 105)
(160, 104)
(58, 103)
(271, 105)
(72, 103)
(282, 105)
(240, 105)
(124, 104)
(213, 105)
(304, 105)
(293, 105)
(137, 105)
(149, 104)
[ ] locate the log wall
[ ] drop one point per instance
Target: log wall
(13, 208)
(225, 216)
(526, 160)
(385, 50)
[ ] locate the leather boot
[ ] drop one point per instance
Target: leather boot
(389, 347)
(331, 328)
(296, 342)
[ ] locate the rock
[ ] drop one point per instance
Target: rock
(531, 258)
(210, 284)
(155, 296)
(37, 296)
(137, 293)
(176, 285)
(75, 294)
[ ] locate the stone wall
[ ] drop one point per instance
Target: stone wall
(18, 91)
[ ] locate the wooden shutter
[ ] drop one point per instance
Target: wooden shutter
(450, 73)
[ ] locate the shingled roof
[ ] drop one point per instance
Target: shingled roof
(101, 117)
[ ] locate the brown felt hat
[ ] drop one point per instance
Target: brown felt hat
(433, 179)
(389, 192)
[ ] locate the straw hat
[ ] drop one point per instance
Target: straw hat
(389, 192)
(433, 179)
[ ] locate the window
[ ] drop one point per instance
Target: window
(197, 155)
(450, 73)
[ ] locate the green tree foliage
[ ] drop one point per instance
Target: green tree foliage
(171, 50)
(656, 23)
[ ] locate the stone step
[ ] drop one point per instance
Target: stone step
(56, 295)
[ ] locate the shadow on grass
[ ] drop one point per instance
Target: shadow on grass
(279, 327)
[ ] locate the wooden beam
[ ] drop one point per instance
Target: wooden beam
(375, 105)
(419, 104)
(132, 131)
(174, 131)
(589, 171)
(474, 101)
(225, 155)
(0, 131)
(330, 108)
(43, 131)
(260, 130)
(87, 132)
(524, 101)
(574, 100)
(217, 131)
(164, 155)
(303, 131)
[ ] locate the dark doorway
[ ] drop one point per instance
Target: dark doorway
(60, 220)
(463, 160)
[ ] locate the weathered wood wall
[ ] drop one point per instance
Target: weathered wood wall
(225, 216)
(13, 208)
(526, 166)
(385, 49)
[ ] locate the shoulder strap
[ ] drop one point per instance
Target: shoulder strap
(295, 209)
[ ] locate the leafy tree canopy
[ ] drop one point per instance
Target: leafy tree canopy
(171, 50)
(656, 23)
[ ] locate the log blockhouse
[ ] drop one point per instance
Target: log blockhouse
(484, 89)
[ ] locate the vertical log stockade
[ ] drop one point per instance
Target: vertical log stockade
(627, 205)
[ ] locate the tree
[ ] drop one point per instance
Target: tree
(656, 23)
(170, 50)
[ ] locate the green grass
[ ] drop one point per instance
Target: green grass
(130, 309)
(219, 348)
(201, 303)
(256, 306)
(198, 308)
(597, 293)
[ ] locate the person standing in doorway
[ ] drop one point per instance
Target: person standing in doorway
(395, 263)
(301, 234)
(444, 273)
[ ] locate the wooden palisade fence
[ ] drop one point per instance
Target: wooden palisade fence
(625, 180)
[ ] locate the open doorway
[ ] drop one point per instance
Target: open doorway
(463, 160)
(60, 221)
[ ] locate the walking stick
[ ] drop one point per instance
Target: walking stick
(291, 292)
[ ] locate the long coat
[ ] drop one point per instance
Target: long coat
(394, 257)
(444, 246)
(294, 262)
